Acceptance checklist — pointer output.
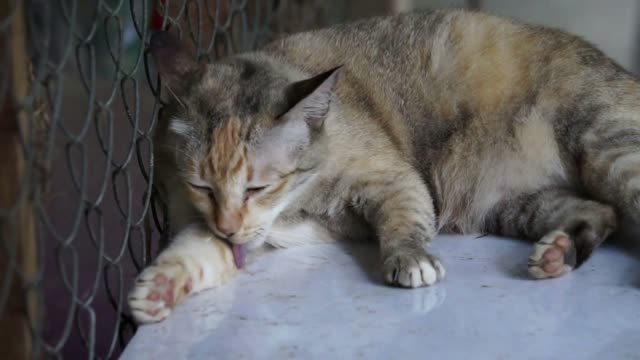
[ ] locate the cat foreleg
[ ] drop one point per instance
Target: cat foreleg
(398, 205)
(194, 261)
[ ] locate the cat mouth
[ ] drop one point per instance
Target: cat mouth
(239, 251)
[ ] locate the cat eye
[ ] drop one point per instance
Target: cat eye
(201, 188)
(254, 190)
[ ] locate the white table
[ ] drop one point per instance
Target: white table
(327, 302)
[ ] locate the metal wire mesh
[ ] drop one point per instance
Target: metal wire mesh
(84, 124)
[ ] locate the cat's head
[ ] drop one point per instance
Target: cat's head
(245, 133)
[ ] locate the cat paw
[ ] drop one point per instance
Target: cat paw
(552, 256)
(157, 290)
(408, 269)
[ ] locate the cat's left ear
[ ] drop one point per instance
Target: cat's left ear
(173, 59)
(310, 99)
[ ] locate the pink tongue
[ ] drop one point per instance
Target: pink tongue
(239, 254)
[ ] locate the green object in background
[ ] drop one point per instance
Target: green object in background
(116, 37)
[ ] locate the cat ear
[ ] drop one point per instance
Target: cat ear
(311, 99)
(172, 58)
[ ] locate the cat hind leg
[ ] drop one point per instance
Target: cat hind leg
(610, 162)
(566, 228)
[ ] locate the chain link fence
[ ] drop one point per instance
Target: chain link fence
(79, 98)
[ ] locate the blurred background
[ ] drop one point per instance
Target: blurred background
(614, 26)
(79, 101)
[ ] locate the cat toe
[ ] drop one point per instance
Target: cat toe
(412, 271)
(552, 256)
(157, 291)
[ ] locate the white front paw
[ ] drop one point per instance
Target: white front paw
(410, 269)
(157, 290)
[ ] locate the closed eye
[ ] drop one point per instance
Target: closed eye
(205, 189)
(254, 190)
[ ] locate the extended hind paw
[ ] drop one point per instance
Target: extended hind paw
(552, 256)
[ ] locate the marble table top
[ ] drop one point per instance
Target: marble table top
(328, 302)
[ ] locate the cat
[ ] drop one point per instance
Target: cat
(392, 128)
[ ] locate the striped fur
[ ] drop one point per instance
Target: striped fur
(401, 126)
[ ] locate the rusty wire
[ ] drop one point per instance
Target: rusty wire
(92, 104)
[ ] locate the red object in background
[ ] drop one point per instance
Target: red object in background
(155, 22)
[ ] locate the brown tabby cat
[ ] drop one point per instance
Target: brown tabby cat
(392, 127)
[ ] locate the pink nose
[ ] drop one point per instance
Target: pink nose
(228, 225)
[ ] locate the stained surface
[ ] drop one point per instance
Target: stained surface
(327, 301)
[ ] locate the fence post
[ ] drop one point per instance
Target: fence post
(17, 231)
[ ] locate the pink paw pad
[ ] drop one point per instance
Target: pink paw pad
(160, 279)
(165, 289)
(158, 290)
(552, 256)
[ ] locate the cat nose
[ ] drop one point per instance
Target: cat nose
(225, 231)
(228, 226)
